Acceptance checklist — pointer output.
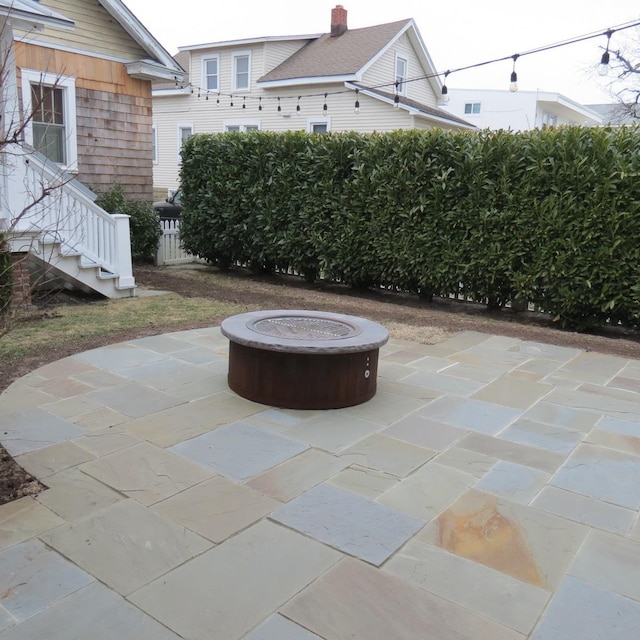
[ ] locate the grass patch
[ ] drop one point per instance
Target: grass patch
(69, 323)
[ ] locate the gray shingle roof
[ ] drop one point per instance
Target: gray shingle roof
(344, 55)
(440, 114)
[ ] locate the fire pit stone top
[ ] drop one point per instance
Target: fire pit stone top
(304, 331)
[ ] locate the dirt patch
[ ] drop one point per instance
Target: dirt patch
(406, 317)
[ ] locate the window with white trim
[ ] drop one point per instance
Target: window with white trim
(319, 125)
(51, 102)
(210, 74)
(402, 71)
(241, 70)
(472, 108)
(185, 131)
(240, 126)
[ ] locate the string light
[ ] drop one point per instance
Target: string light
(604, 64)
(244, 102)
(396, 98)
(513, 86)
(603, 69)
(298, 105)
(445, 90)
(356, 107)
(279, 107)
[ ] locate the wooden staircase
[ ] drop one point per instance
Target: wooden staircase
(63, 233)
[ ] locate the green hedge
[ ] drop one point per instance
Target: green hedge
(549, 217)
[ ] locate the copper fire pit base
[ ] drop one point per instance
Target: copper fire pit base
(303, 359)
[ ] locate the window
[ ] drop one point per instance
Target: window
(210, 74)
(240, 126)
(154, 143)
(471, 108)
(319, 125)
(402, 66)
(241, 71)
(51, 102)
(185, 131)
(48, 122)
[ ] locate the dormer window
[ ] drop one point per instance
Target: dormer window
(402, 66)
(241, 70)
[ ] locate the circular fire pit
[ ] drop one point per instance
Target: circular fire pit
(303, 359)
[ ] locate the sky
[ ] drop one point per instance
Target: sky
(456, 33)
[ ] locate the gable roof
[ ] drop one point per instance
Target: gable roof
(32, 14)
(344, 55)
(159, 65)
(128, 21)
(414, 107)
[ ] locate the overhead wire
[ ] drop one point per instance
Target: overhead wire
(608, 32)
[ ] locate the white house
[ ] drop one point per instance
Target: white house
(75, 107)
(378, 78)
(617, 114)
(519, 110)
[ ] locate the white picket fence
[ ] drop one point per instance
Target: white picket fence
(169, 249)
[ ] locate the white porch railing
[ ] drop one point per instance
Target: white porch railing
(52, 206)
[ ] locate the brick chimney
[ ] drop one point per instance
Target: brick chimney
(338, 21)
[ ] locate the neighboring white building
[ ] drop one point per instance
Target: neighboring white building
(284, 83)
(518, 110)
(617, 114)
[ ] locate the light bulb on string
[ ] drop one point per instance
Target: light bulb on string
(231, 101)
(218, 98)
(445, 90)
(279, 107)
(260, 104)
(324, 106)
(513, 86)
(298, 105)
(244, 102)
(396, 98)
(356, 106)
(603, 67)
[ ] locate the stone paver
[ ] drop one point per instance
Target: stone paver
(125, 545)
(378, 606)
(488, 491)
(583, 611)
(34, 429)
(518, 540)
(349, 522)
(94, 612)
(238, 451)
(490, 593)
(234, 586)
(145, 472)
(607, 475)
(279, 628)
(474, 415)
(30, 587)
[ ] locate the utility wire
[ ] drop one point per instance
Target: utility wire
(563, 43)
